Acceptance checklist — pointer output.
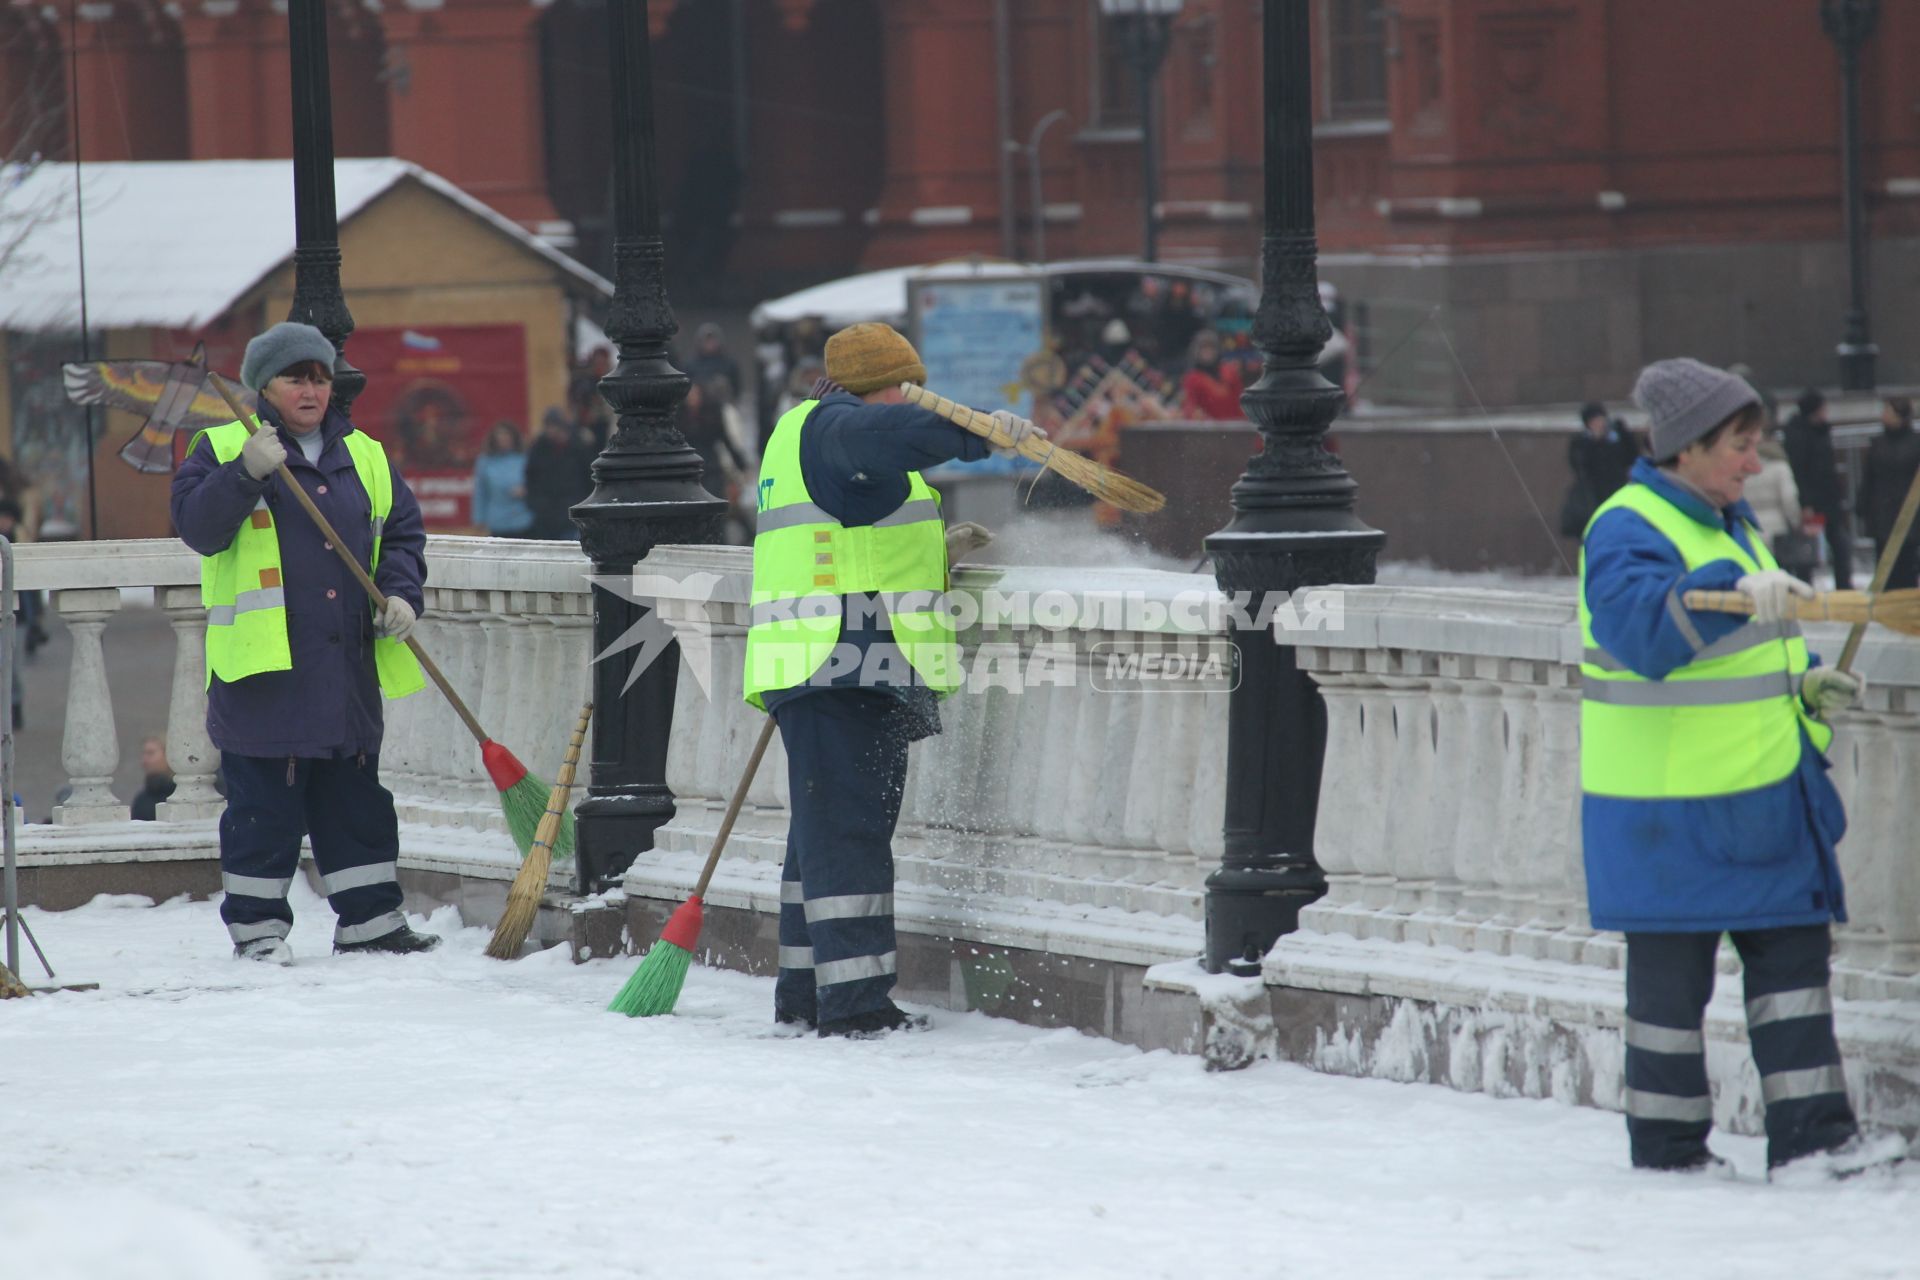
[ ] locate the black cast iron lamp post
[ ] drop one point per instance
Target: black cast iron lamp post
(1850, 23)
(1147, 27)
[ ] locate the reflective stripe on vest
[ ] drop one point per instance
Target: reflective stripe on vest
(1725, 722)
(805, 563)
(245, 596)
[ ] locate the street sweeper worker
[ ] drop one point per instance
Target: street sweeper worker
(297, 656)
(848, 649)
(1706, 806)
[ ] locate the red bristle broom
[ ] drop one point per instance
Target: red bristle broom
(523, 797)
(655, 985)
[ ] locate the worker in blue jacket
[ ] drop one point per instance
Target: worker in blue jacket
(298, 659)
(1707, 808)
(848, 649)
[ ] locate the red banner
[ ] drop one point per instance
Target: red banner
(433, 393)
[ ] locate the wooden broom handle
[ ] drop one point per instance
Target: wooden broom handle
(549, 828)
(981, 424)
(346, 558)
(1884, 570)
(733, 808)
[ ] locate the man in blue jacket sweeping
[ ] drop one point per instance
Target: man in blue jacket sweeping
(1707, 807)
(848, 648)
(297, 658)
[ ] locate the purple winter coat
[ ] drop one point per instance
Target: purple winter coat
(328, 705)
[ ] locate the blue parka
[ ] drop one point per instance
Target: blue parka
(1759, 859)
(328, 705)
(497, 507)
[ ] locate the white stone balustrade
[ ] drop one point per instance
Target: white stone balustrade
(508, 621)
(1449, 809)
(1048, 814)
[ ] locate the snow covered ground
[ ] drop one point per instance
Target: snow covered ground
(451, 1116)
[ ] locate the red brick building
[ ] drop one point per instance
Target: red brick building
(1575, 185)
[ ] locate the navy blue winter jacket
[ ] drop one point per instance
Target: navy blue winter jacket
(329, 703)
(1759, 859)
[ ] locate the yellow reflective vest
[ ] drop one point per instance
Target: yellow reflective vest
(1728, 721)
(244, 591)
(805, 563)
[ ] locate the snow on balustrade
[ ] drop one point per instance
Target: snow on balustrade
(1449, 808)
(509, 623)
(1053, 812)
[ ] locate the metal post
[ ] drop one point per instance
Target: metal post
(646, 490)
(1150, 35)
(1293, 527)
(9, 872)
(317, 297)
(1033, 158)
(1850, 24)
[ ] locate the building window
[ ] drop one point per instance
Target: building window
(1356, 76)
(1116, 86)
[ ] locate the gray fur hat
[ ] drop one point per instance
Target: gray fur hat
(1685, 399)
(279, 349)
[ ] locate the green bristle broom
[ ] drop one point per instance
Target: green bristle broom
(655, 985)
(523, 797)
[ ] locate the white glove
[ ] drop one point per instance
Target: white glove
(965, 538)
(1771, 591)
(396, 620)
(1017, 427)
(1828, 689)
(263, 453)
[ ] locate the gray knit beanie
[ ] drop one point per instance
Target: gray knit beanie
(279, 349)
(1685, 399)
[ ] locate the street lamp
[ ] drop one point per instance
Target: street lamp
(1293, 527)
(1033, 159)
(317, 296)
(1850, 24)
(1147, 27)
(646, 491)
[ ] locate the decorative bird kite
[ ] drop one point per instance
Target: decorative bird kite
(172, 395)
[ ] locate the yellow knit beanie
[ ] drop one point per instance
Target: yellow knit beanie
(866, 357)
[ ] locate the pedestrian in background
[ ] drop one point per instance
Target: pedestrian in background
(711, 360)
(585, 404)
(298, 659)
(1892, 459)
(9, 528)
(1210, 390)
(1600, 457)
(712, 427)
(18, 489)
(1816, 473)
(158, 772)
(500, 485)
(1706, 806)
(1775, 500)
(559, 474)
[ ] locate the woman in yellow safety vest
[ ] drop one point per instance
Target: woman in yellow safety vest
(1706, 806)
(297, 657)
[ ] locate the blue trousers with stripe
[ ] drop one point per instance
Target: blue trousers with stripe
(1789, 1027)
(271, 803)
(847, 770)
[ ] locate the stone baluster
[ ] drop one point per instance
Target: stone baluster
(1873, 841)
(1901, 903)
(1563, 900)
(1206, 836)
(468, 786)
(1481, 744)
(1173, 770)
(1518, 832)
(1441, 897)
(90, 749)
(1343, 791)
(1407, 791)
(1377, 793)
(1095, 869)
(189, 750)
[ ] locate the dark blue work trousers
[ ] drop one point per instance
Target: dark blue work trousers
(847, 770)
(1789, 1027)
(271, 803)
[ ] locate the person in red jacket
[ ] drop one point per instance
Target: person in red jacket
(1210, 388)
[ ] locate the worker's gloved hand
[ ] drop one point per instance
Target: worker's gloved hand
(1826, 690)
(1017, 427)
(965, 538)
(1772, 593)
(396, 620)
(263, 453)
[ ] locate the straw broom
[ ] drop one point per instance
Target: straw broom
(655, 985)
(1101, 481)
(530, 885)
(11, 988)
(523, 797)
(1896, 610)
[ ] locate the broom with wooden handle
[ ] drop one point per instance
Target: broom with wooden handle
(530, 885)
(655, 985)
(523, 797)
(1895, 610)
(1101, 481)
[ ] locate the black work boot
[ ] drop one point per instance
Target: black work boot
(402, 941)
(794, 1018)
(875, 1023)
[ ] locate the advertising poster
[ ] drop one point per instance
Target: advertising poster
(433, 393)
(974, 336)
